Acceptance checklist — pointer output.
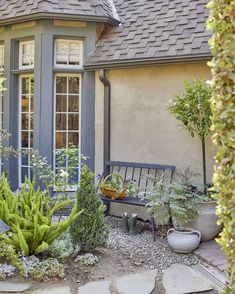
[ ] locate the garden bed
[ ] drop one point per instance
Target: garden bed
(124, 254)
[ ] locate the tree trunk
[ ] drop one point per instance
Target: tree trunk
(204, 163)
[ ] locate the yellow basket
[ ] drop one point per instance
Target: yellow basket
(110, 191)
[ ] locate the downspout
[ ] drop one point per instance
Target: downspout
(107, 114)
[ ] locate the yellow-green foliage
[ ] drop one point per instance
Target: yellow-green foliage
(29, 215)
(222, 22)
(8, 252)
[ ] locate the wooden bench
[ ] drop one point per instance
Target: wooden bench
(140, 174)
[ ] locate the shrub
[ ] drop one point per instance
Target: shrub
(7, 251)
(29, 215)
(63, 247)
(90, 229)
(222, 22)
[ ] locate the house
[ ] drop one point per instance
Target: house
(99, 74)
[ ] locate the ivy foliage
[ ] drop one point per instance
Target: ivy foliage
(29, 215)
(222, 23)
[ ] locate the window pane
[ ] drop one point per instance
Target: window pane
(62, 47)
(31, 122)
(24, 121)
(27, 54)
(61, 103)
(61, 85)
(61, 59)
(25, 104)
(24, 160)
(31, 103)
(74, 59)
(73, 103)
(73, 122)
(24, 139)
(61, 121)
(25, 85)
(73, 139)
(31, 140)
(73, 85)
(1, 57)
(24, 173)
(60, 140)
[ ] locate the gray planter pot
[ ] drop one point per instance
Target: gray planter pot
(206, 222)
(183, 240)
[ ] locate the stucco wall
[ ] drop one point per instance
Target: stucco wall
(142, 130)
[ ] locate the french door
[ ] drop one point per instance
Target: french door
(67, 117)
(26, 112)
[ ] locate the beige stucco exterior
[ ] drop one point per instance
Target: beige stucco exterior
(142, 129)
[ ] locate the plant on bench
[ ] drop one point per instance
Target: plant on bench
(135, 176)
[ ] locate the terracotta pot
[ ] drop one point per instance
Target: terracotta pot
(183, 240)
(206, 222)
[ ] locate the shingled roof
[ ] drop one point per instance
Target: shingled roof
(82, 9)
(154, 30)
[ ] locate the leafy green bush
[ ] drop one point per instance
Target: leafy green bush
(90, 229)
(222, 22)
(29, 215)
(63, 247)
(43, 270)
(175, 200)
(8, 252)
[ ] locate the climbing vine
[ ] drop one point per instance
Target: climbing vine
(222, 23)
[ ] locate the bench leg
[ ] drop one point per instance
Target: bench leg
(107, 204)
(153, 225)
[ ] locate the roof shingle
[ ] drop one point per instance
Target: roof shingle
(21, 8)
(155, 29)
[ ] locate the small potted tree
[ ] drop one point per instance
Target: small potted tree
(192, 110)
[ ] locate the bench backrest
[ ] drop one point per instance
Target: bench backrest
(139, 173)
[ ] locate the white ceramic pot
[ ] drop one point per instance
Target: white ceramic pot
(206, 221)
(183, 240)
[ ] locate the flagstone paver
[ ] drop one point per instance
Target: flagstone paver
(101, 287)
(53, 290)
(181, 279)
(212, 253)
(8, 287)
(141, 283)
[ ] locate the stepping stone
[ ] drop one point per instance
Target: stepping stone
(141, 283)
(53, 290)
(181, 279)
(6, 287)
(100, 287)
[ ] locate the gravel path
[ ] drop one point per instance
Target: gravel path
(143, 250)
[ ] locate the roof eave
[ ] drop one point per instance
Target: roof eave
(128, 63)
(63, 16)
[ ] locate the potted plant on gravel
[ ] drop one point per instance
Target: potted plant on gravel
(193, 111)
(177, 203)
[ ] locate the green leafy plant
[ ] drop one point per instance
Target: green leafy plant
(175, 201)
(87, 259)
(116, 182)
(62, 180)
(90, 229)
(8, 252)
(222, 22)
(43, 270)
(63, 247)
(29, 216)
(192, 110)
